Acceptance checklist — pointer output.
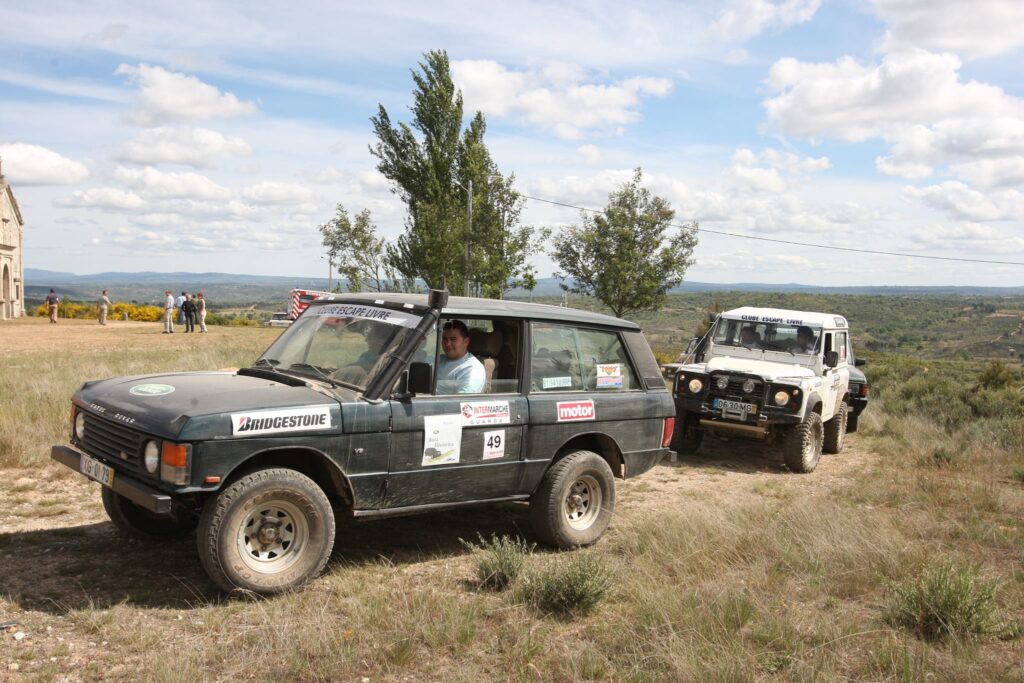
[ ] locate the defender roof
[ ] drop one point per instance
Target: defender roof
(459, 306)
(782, 315)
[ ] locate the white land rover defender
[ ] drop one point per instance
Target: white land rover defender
(767, 374)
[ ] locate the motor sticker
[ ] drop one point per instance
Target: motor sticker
(609, 376)
(442, 439)
(494, 444)
(575, 411)
(556, 382)
(305, 419)
(485, 413)
(151, 390)
(383, 315)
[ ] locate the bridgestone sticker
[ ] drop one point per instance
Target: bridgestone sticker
(383, 315)
(485, 413)
(575, 411)
(442, 439)
(308, 419)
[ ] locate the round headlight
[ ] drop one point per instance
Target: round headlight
(152, 456)
(781, 398)
(748, 386)
(722, 383)
(695, 386)
(80, 425)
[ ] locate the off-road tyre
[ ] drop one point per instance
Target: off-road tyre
(575, 501)
(835, 430)
(139, 523)
(803, 443)
(686, 440)
(269, 532)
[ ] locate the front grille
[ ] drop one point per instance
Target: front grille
(113, 441)
(734, 392)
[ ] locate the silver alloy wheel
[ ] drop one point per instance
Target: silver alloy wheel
(813, 445)
(272, 537)
(583, 502)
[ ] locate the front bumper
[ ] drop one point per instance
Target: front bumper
(143, 495)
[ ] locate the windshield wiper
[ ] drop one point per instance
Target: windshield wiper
(319, 373)
(780, 348)
(272, 362)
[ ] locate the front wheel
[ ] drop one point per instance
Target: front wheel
(575, 501)
(802, 447)
(138, 522)
(270, 531)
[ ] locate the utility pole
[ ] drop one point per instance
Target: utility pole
(330, 271)
(469, 228)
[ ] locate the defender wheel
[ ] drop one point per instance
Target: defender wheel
(138, 522)
(802, 448)
(270, 531)
(686, 440)
(575, 501)
(835, 430)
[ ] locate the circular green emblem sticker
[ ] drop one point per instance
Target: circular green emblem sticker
(151, 389)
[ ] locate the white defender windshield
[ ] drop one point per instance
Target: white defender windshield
(762, 336)
(342, 343)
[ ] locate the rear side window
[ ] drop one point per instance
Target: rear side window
(574, 359)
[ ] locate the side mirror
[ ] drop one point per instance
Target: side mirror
(859, 362)
(692, 346)
(419, 378)
(831, 359)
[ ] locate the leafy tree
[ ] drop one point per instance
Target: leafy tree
(623, 255)
(432, 163)
(359, 254)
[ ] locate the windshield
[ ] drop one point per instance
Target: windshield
(762, 336)
(342, 343)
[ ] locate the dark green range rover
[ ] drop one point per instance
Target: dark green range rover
(351, 412)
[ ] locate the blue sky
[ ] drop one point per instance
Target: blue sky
(218, 136)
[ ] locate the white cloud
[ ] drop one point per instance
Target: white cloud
(761, 172)
(742, 20)
(34, 165)
(271, 192)
(155, 184)
(111, 198)
(589, 154)
(965, 203)
(557, 97)
(166, 96)
(967, 238)
(979, 28)
(196, 147)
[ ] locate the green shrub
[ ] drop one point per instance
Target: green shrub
(997, 375)
(945, 601)
(567, 587)
(948, 456)
(499, 561)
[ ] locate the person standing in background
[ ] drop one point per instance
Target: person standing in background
(52, 301)
(180, 302)
(201, 309)
(104, 304)
(189, 309)
(168, 312)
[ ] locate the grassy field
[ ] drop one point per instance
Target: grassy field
(900, 559)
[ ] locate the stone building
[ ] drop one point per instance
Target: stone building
(12, 279)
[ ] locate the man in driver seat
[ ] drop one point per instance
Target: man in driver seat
(749, 338)
(805, 341)
(459, 371)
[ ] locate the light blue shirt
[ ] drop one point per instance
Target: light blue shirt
(463, 376)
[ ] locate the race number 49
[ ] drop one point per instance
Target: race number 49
(494, 444)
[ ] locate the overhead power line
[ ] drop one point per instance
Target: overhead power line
(795, 243)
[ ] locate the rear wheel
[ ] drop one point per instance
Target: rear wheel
(835, 430)
(575, 501)
(138, 522)
(802, 446)
(270, 531)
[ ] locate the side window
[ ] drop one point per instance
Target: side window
(555, 359)
(605, 364)
(841, 346)
(478, 355)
